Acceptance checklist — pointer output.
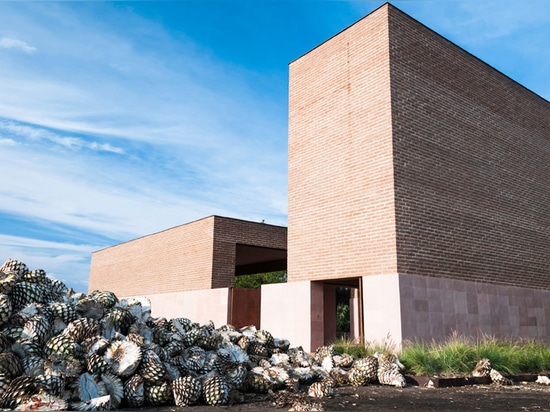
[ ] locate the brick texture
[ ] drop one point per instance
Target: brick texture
(409, 155)
(341, 206)
(471, 164)
(179, 258)
(197, 255)
(228, 233)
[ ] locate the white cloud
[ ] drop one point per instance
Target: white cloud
(7, 43)
(105, 147)
(7, 142)
(127, 198)
(67, 262)
(494, 19)
(197, 138)
(10, 128)
(509, 35)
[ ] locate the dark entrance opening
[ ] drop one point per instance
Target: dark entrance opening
(256, 259)
(342, 310)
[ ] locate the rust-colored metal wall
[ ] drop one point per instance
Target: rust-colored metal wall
(245, 307)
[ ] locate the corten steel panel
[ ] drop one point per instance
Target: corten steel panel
(245, 307)
(329, 315)
(340, 205)
(471, 157)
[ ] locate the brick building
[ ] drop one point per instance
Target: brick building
(423, 173)
(181, 268)
(419, 176)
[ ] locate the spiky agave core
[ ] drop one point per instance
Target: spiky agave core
(124, 357)
(134, 391)
(186, 390)
(215, 390)
(482, 368)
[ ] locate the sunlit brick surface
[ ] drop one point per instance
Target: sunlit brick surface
(194, 256)
(409, 155)
(341, 216)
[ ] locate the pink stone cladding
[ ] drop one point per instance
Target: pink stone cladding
(409, 155)
(197, 255)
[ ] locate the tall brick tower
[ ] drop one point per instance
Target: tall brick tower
(423, 174)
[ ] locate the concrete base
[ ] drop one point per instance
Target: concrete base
(294, 311)
(396, 308)
(199, 305)
(382, 309)
(411, 307)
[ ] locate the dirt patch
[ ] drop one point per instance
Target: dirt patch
(520, 397)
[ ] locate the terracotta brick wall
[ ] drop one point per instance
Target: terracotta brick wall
(409, 155)
(472, 164)
(340, 208)
(194, 256)
(175, 259)
(228, 232)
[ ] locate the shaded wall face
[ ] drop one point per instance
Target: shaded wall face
(340, 206)
(173, 260)
(434, 308)
(471, 154)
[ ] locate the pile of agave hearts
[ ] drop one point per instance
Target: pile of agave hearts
(64, 350)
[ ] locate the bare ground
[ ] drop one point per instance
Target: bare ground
(520, 397)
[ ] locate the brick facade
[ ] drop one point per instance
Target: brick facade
(228, 233)
(414, 168)
(409, 155)
(471, 164)
(341, 213)
(195, 256)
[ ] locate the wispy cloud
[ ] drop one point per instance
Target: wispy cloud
(7, 43)
(494, 19)
(7, 142)
(97, 152)
(11, 129)
(507, 34)
(61, 260)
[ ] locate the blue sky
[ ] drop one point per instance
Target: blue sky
(122, 119)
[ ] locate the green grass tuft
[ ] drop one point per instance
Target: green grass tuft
(458, 355)
(369, 348)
